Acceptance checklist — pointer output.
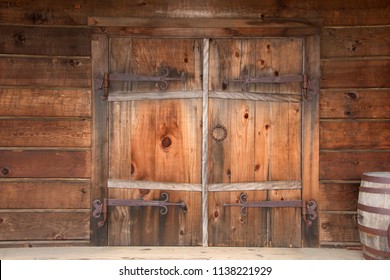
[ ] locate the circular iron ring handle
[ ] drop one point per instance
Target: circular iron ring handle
(215, 137)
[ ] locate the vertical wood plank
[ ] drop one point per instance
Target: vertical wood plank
(99, 134)
(310, 134)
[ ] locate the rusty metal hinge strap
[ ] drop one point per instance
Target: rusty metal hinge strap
(245, 80)
(309, 212)
(162, 80)
(102, 207)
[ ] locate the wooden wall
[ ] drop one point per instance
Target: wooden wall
(45, 107)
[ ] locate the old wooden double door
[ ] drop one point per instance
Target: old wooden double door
(190, 125)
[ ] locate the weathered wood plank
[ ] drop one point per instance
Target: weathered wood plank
(339, 228)
(338, 196)
(45, 163)
(350, 165)
(355, 42)
(127, 184)
(34, 102)
(37, 40)
(355, 73)
(38, 194)
(279, 97)
(310, 135)
(210, 32)
(99, 145)
(148, 22)
(48, 72)
(45, 243)
(355, 135)
(120, 165)
(139, 96)
(61, 13)
(265, 185)
(355, 103)
(45, 133)
(47, 225)
(285, 223)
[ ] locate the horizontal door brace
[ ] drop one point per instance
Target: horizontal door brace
(102, 207)
(309, 212)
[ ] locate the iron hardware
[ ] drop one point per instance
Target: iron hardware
(214, 134)
(309, 212)
(162, 80)
(102, 207)
(245, 80)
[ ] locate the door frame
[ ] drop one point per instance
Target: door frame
(105, 27)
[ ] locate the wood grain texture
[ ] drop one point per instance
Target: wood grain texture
(339, 228)
(45, 133)
(60, 13)
(45, 163)
(355, 103)
(38, 40)
(310, 135)
(155, 141)
(39, 102)
(41, 194)
(263, 142)
(355, 73)
(341, 196)
(47, 72)
(46, 225)
(355, 135)
(99, 143)
(355, 42)
(350, 165)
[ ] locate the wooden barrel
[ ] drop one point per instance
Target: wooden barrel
(374, 215)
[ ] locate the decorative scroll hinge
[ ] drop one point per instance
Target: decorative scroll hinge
(102, 207)
(162, 80)
(245, 80)
(309, 212)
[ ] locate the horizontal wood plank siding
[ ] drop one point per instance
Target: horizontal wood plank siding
(355, 42)
(355, 135)
(338, 196)
(45, 163)
(350, 165)
(355, 103)
(41, 102)
(45, 72)
(362, 73)
(33, 40)
(45, 225)
(339, 227)
(45, 133)
(41, 194)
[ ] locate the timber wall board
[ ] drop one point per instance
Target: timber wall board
(46, 122)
